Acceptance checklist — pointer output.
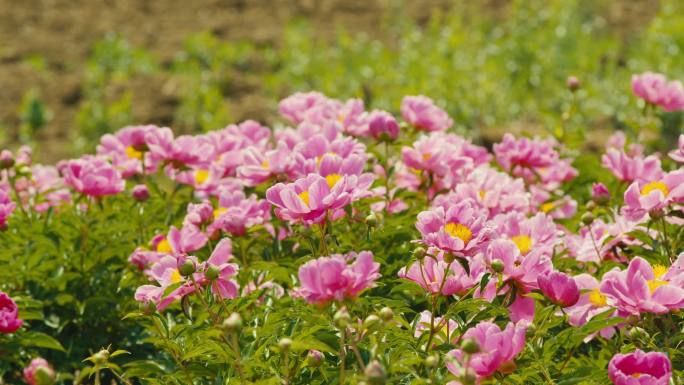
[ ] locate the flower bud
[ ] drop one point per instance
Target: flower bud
(212, 272)
(233, 323)
(469, 378)
(147, 308)
(470, 346)
(371, 321)
(448, 257)
(637, 333)
(386, 314)
(498, 266)
(342, 318)
(101, 357)
(588, 218)
(372, 220)
(314, 358)
(140, 193)
(591, 205)
(44, 375)
(375, 373)
(656, 214)
(600, 194)
(419, 252)
(284, 344)
(432, 361)
(572, 83)
(186, 266)
(6, 160)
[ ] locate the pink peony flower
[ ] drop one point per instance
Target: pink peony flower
(127, 149)
(631, 168)
(224, 286)
(421, 112)
(297, 106)
(31, 375)
(461, 228)
(591, 303)
(640, 368)
(641, 197)
(641, 288)
(678, 154)
(498, 349)
(382, 125)
(7, 207)
(446, 330)
(140, 192)
(538, 234)
(333, 278)
(309, 199)
(188, 239)
(517, 154)
(237, 213)
(522, 270)
(92, 176)
(9, 315)
(558, 287)
(259, 166)
(432, 275)
(655, 89)
(600, 193)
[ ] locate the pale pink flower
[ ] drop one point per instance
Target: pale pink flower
(236, 213)
(521, 270)
(642, 198)
(678, 154)
(655, 89)
(92, 176)
(382, 125)
(631, 168)
(334, 278)
(591, 303)
(436, 276)
(422, 113)
(446, 330)
(535, 235)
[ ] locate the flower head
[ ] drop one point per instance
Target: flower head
(421, 112)
(655, 89)
(560, 288)
(9, 315)
(640, 368)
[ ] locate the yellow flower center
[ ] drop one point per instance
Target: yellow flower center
(653, 284)
(304, 196)
(132, 153)
(219, 211)
(164, 246)
(546, 207)
(636, 375)
(427, 156)
(523, 242)
(176, 277)
(201, 176)
(340, 118)
(458, 230)
(482, 194)
(659, 271)
(597, 299)
(657, 185)
(265, 165)
(332, 179)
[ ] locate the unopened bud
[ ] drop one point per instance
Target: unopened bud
(572, 83)
(6, 159)
(342, 318)
(386, 314)
(591, 205)
(637, 333)
(469, 378)
(372, 220)
(147, 308)
(470, 346)
(498, 266)
(656, 214)
(140, 193)
(44, 375)
(187, 267)
(419, 252)
(314, 358)
(448, 257)
(212, 272)
(233, 323)
(371, 321)
(284, 344)
(587, 218)
(375, 373)
(432, 361)
(101, 357)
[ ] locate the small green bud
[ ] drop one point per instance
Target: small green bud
(637, 333)
(372, 220)
(186, 268)
(432, 361)
(147, 308)
(44, 376)
(371, 321)
(386, 314)
(419, 252)
(284, 344)
(233, 323)
(498, 266)
(375, 373)
(591, 205)
(656, 214)
(470, 346)
(588, 218)
(314, 358)
(469, 378)
(101, 357)
(342, 318)
(448, 257)
(212, 272)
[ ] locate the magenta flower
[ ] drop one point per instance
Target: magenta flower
(30, 372)
(513, 154)
(309, 199)
(422, 113)
(140, 192)
(678, 154)
(333, 278)
(237, 213)
(522, 270)
(224, 286)
(538, 234)
(92, 176)
(558, 287)
(165, 273)
(631, 168)
(382, 125)
(259, 166)
(438, 277)
(127, 149)
(498, 349)
(641, 197)
(297, 106)
(600, 193)
(641, 288)
(9, 315)
(655, 89)
(7, 207)
(640, 368)
(199, 214)
(460, 228)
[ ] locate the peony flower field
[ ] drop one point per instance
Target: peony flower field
(348, 246)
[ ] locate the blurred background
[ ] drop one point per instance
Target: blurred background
(72, 70)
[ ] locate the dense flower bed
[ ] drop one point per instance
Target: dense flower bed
(350, 247)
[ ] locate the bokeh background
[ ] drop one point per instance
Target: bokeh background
(73, 70)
